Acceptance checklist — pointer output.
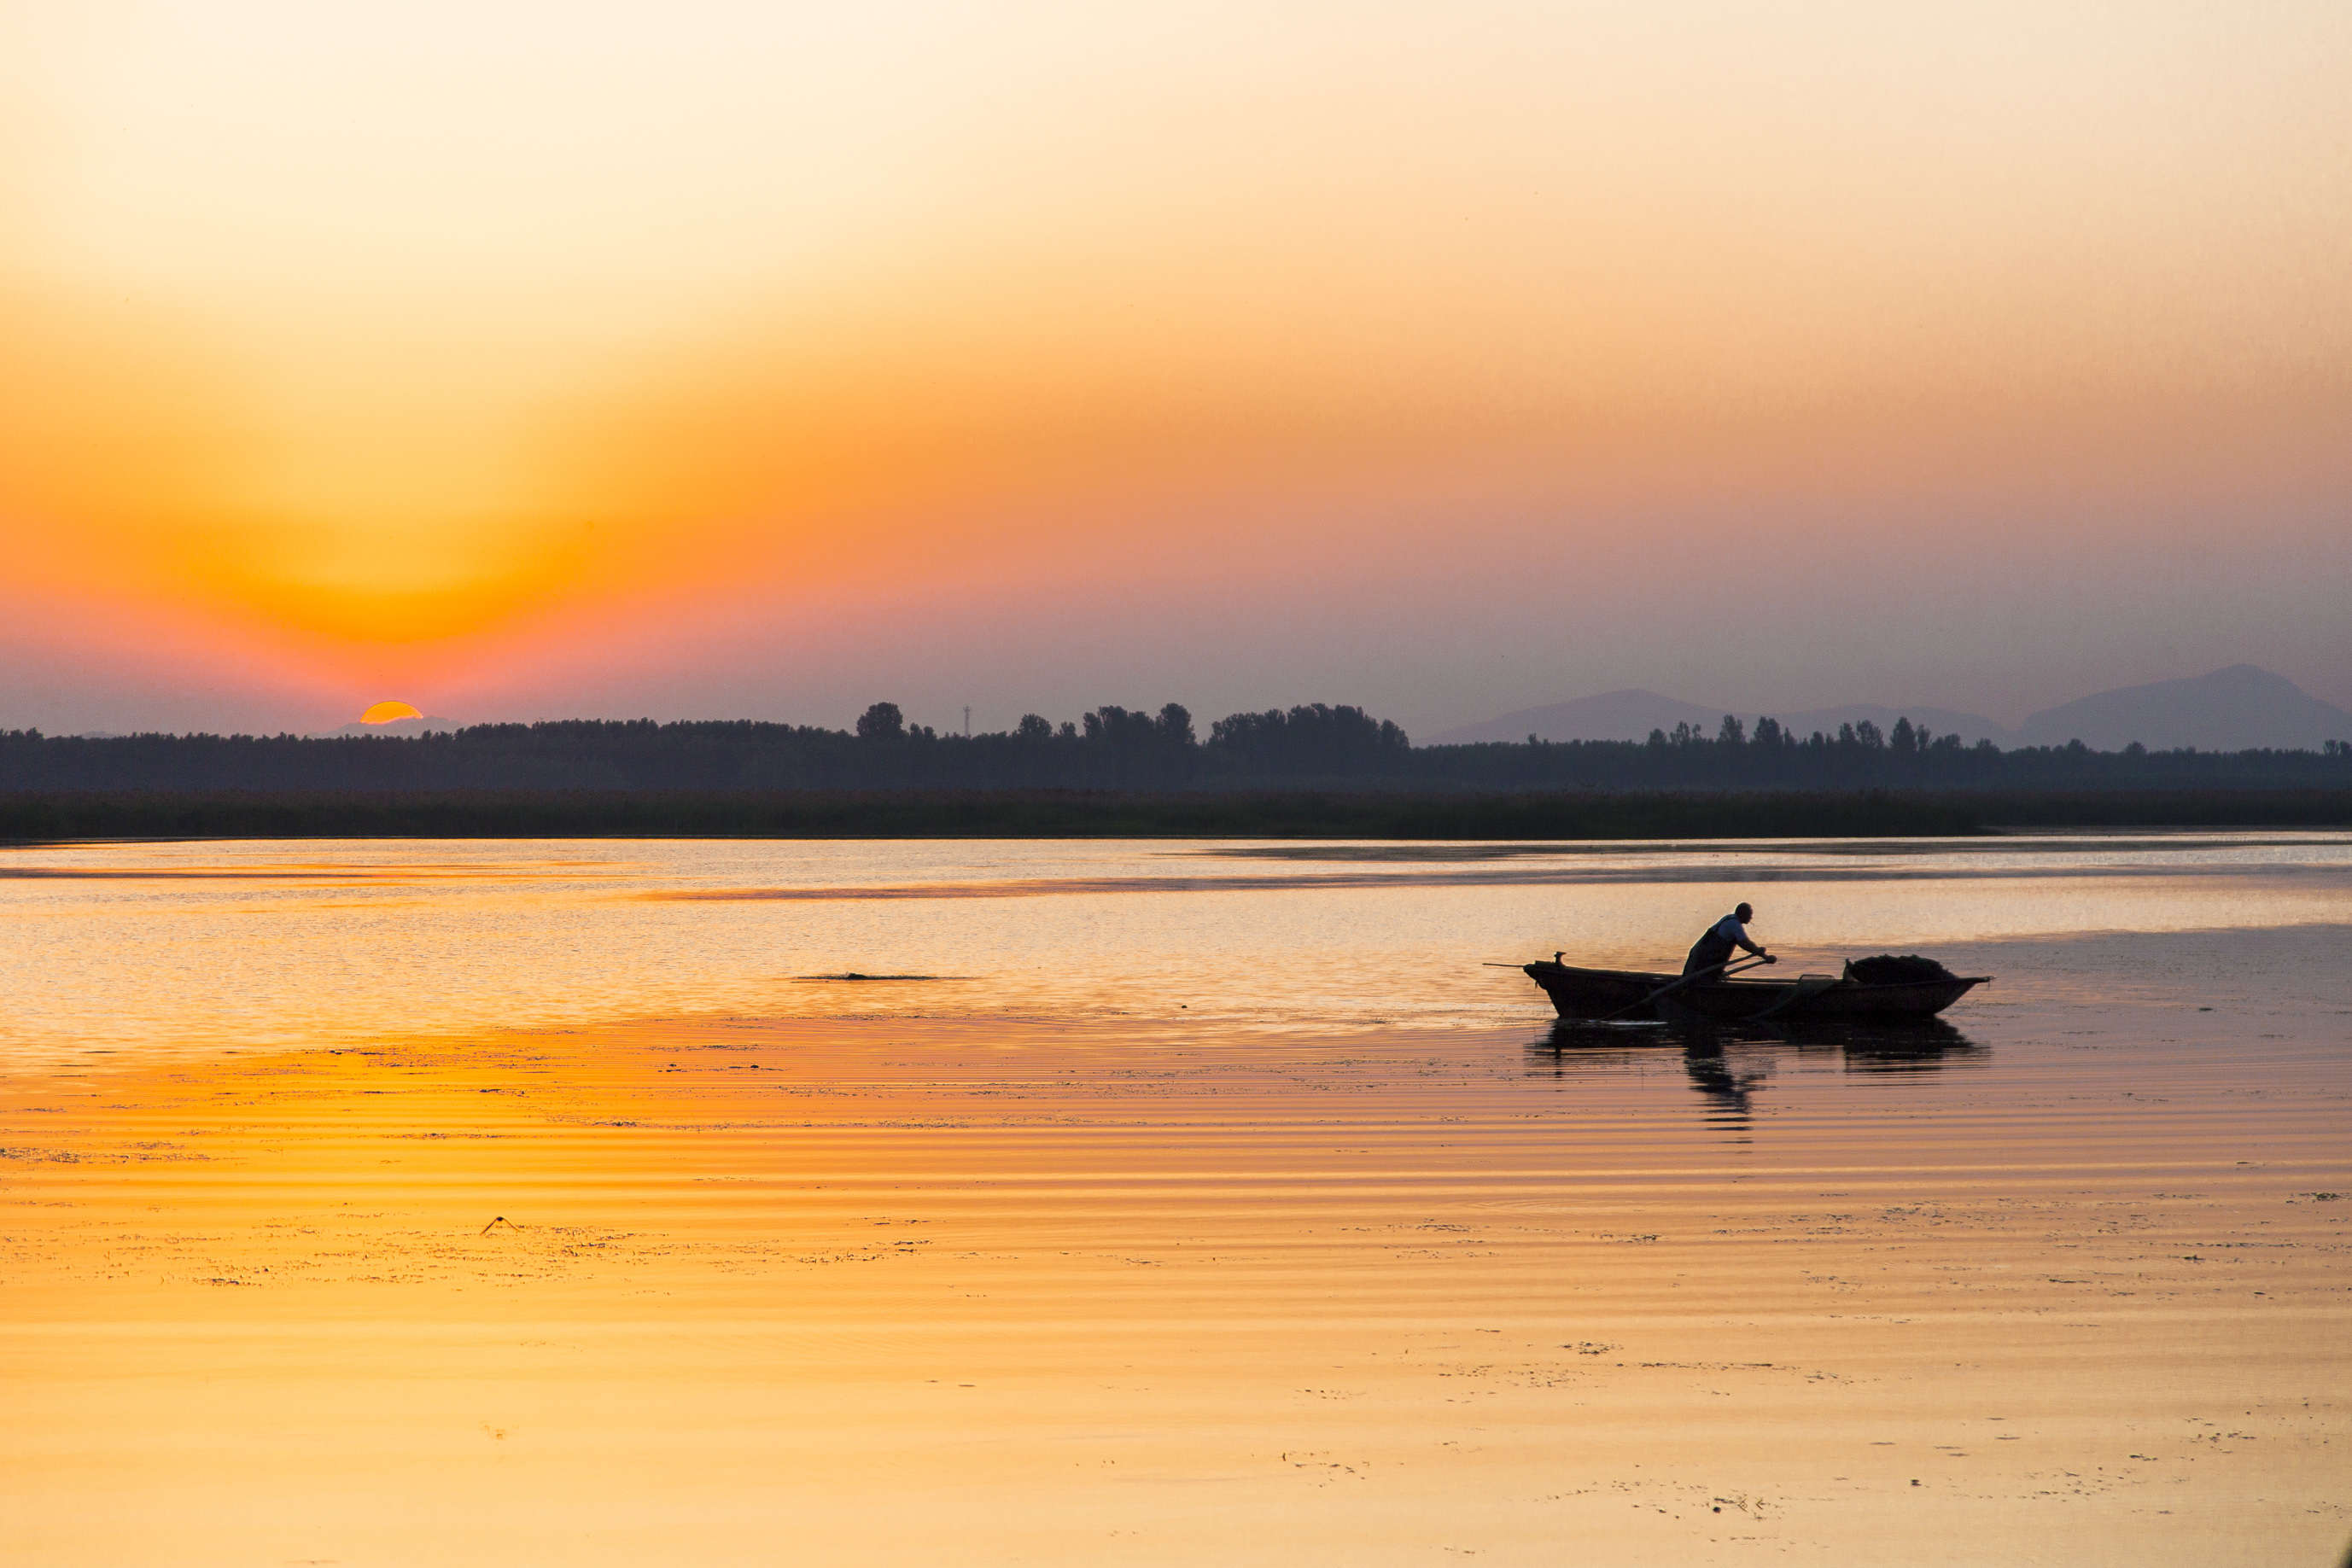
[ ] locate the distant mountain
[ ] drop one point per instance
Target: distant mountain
(1632, 715)
(1969, 727)
(420, 726)
(1613, 716)
(2229, 710)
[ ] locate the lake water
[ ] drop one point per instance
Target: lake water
(162, 947)
(557, 1202)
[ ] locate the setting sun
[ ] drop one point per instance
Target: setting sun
(385, 712)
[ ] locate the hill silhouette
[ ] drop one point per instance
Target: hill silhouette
(2234, 709)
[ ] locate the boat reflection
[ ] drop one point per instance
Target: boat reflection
(1729, 1063)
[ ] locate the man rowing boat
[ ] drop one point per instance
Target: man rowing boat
(1714, 950)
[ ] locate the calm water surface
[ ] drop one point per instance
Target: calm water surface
(152, 946)
(523, 1203)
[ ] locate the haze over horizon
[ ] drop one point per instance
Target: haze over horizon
(704, 362)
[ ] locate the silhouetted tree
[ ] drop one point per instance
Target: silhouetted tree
(1122, 730)
(1313, 738)
(883, 721)
(1733, 733)
(1905, 739)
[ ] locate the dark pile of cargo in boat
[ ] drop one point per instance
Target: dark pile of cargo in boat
(1886, 969)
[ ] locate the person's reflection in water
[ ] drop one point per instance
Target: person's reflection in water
(1725, 1085)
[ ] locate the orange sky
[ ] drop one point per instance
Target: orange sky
(710, 359)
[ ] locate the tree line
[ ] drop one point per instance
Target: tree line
(1110, 747)
(1313, 745)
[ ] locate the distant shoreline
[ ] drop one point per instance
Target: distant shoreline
(1313, 750)
(28, 818)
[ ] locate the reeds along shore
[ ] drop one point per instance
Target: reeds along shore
(51, 817)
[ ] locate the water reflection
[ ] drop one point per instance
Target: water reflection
(1729, 1063)
(1726, 1083)
(133, 947)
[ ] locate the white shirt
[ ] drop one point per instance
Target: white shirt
(1730, 930)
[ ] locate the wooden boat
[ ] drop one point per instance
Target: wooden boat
(1632, 994)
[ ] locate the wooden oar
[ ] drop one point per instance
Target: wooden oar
(1723, 969)
(1806, 989)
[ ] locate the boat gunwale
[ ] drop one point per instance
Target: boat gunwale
(1653, 977)
(1580, 993)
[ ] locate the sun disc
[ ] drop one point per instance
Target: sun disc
(385, 712)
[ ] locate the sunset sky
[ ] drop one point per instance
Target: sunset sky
(526, 360)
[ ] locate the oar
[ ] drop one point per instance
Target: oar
(1801, 993)
(1721, 968)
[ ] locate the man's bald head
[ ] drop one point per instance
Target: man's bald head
(1744, 914)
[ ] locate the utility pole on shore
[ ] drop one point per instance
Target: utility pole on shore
(967, 721)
